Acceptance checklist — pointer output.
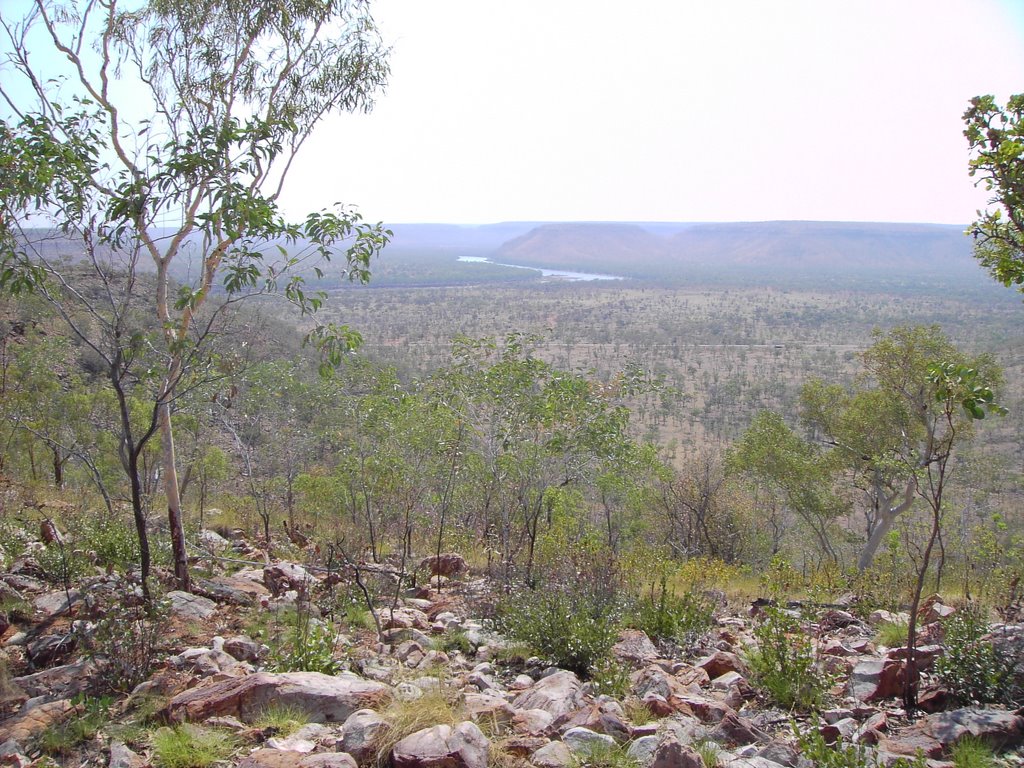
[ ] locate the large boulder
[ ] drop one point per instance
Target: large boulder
(323, 697)
(443, 746)
(559, 695)
(935, 734)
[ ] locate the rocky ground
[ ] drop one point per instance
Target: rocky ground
(73, 655)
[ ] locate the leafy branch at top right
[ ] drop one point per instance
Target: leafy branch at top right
(996, 137)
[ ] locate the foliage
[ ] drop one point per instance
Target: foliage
(304, 644)
(61, 739)
(971, 667)
(844, 755)
(783, 664)
(455, 641)
(891, 634)
(610, 677)
(126, 640)
(996, 138)
(972, 752)
(666, 616)
(575, 631)
(709, 751)
(191, 746)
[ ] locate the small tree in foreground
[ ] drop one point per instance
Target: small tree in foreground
(148, 141)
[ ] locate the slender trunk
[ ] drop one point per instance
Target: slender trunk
(58, 468)
(174, 517)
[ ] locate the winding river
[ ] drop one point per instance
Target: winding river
(558, 274)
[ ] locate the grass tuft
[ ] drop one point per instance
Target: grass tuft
(190, 746)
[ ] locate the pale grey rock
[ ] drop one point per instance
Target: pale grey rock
(583, 740)
(442, 746)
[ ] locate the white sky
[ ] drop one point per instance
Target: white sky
(671, 110)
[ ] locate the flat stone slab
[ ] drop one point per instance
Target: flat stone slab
(325, 698)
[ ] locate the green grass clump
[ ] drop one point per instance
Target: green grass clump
(404, 718)
(709, 752)
(61, 739)
(283, 719)
(891, 634)
(190, 746)
(603, 755)
(972, 752)
(813, 747)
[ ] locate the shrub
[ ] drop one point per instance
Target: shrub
(126, 640)
(843, 755)
(783, 664)
(189, 746)
(304, 645)
(667, 617)
(610, 677)
(603, 755)
(972, 669)
(709, 751)
(574, 632)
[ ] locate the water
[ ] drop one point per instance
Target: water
(558, 274)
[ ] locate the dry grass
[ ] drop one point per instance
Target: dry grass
(407, 717)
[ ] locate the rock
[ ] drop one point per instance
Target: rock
(727, 681)
(553, 755)
(284, 577)
(876, 679)
(634, 647)
(26, 565)
(642, 749)
(33, 720)
(443, 746)
(280, 758)
(191, 607)
(323, 697)
(56, 603)
(670, 753)
(720, 662)
(887, 617)
(738, 731)
(532, 722)
(244, 648)
(360, 733)
(841, 729)
(925, 655)
(935, 734)
(213, 541)
(122, 757)
(583, 741)
(405, 618)
(231, 589)
(522, 746)
(559, 695)
(482, 707)
(936, 611)
(203, 661)
(51, 649)
(605, 717)
(59, 682)
(448, 564)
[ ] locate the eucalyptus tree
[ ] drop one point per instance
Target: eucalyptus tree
(890, 431)
(995, 134)
(156, 136)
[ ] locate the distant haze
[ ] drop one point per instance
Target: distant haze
(734, 110)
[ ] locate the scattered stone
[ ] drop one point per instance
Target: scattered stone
(56, 603)
(122, 757)
(59, 682)
(191, 607)
(448, 564)
(323, 697)
(583, 740)
(671, 753)
(362, 728)
(553, 755)
(738, 731)
(720, 662)
(559, 695)
(244, 648)
(231, 589)
(33, 720)
(51, 649)
(280, 578)
(443, 746)
(634, 647)
(876, 679)
(935, 734)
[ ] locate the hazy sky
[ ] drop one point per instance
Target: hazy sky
(682, 110)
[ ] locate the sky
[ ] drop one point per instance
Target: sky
(669, 110)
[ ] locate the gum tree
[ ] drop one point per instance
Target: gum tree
(996, 138)
(144, 145)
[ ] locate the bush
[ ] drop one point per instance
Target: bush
(891, 635)
(667, 617)
(841, 755)
(783, 664)
(972, 752)
(574, 632)
(61, 739)
(304, 645)
(972, 669)
(126, 640)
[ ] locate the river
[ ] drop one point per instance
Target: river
(558, 274)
